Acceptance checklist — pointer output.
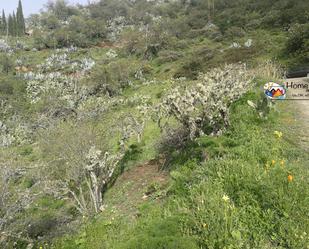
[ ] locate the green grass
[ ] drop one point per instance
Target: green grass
(239, 198)
(264, 210)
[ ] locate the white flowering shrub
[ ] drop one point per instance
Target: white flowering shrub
(115, 27)
(6, 139)
(15, 135)
(61, 86)
(134, 125)
(98, 172)
(48, 78)
(206, 104)
(86, 176)
(111, 54)
(4, 47)
(93, 106)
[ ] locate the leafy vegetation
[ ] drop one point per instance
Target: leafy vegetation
(141, 124)
(248, 193)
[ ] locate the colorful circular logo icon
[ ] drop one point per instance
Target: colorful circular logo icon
(274, 91)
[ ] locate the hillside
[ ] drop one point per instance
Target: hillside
(142, 124)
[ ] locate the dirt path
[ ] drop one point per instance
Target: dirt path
(303, 119)
(136, 186)
(300, 111)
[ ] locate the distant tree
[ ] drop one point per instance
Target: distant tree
(14, 24)
(4, 23)
(10, 25)
(21, 27)
(51, 22)
(61, 9)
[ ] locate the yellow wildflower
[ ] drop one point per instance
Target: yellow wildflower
(278, 134)
(225, 198)
(273, 162)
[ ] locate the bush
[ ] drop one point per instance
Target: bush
(160, 234)
(10, 85)
(6, 63)
(204, 108)
(111, 79)
(297, 45)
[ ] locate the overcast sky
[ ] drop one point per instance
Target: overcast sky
(29, 6)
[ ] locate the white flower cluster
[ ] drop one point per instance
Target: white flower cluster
(94, 106)
(247, 44)
(39, 84)
(207, 102)
(139, 74)
(86, 64)
(18, 135)
(19, 62)
(6, 139)
(115, 27)
(155, 19)
(150, 82)
(70, 49)
(4, 47)
(100, 169)
(111, 54)
(58, 61)
(137, 99)
(50, 79)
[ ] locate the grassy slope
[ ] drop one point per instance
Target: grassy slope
(242, 147)
(249, 165)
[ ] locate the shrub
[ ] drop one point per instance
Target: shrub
(111, 79)
(204, 108)
(297, 43)
(80, 168)
(6, 63)
(169, 56)
(160, 234)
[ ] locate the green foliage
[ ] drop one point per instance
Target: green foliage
(225, 191)
(61, 9)
(6, 63)
(112, 78)
(15, 25)
(159, 234)
(3, 23)
(237, 196)
(298, 43)
(20, 20)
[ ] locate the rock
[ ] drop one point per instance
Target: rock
(235, 45)
(248, 43)
(213, 32)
